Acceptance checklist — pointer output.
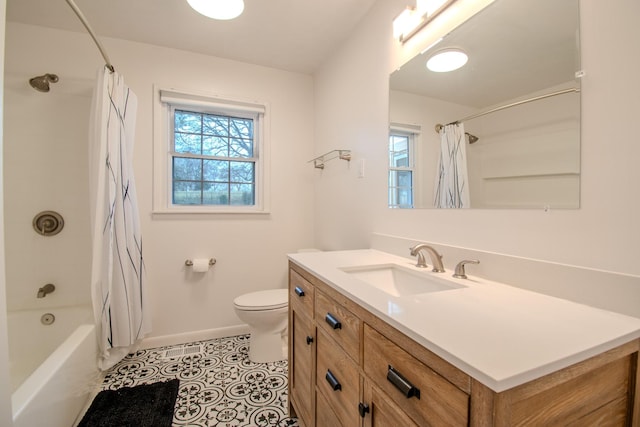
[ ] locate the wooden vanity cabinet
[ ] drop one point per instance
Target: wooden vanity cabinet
(380, 377)
(302, 338)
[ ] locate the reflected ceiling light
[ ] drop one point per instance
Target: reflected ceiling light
(447, 60)
(218, 9)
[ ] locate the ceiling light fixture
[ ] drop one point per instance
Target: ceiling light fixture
(218, 9)
(447, 60)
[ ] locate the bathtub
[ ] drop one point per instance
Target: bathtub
(53, 367)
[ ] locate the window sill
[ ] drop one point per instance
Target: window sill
(205, 210)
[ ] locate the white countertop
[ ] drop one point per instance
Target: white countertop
(500, 335)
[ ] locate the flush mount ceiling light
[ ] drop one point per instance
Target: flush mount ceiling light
(447, 60)
(218, 9)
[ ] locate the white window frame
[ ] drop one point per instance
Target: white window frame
(166, 100)
(412, 132)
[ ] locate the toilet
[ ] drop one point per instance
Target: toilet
(266, 313)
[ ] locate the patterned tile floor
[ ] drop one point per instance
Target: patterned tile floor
(219, 386)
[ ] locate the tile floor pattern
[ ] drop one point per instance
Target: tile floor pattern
(219, 386)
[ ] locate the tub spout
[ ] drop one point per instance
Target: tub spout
(46, 289)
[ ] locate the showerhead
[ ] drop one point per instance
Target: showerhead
(41, 83)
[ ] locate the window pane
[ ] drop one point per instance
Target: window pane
(242, 194)
(216, 170)
(187, 193)
(240, 148)
(188, 143)
(215, 125)
(241, 172)
(188, 122)
(404, 178)
(215, 146)
(241, 128)
(187, 169)
(215, 194)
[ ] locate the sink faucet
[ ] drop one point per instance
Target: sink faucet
(436, 258)
(46, 289)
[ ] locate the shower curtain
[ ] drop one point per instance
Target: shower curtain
(452, 182)
(118, 279)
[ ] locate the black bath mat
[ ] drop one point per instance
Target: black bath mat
(145, 405)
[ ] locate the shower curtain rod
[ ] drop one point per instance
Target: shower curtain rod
(513, 104)
(84, 21)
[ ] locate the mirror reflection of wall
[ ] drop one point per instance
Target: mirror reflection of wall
(526, 156)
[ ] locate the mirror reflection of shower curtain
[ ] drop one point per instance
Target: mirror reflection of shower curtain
(118, 278)
(452, 181)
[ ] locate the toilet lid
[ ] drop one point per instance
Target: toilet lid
(263, 300)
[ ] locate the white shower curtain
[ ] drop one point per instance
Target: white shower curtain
(452, 182)
(118, 279)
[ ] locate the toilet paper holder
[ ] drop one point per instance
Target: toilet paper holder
(189, 262)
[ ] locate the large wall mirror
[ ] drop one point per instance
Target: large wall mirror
(517, 98)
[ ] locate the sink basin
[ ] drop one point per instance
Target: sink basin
(399, 281)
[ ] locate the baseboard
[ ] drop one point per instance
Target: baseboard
(186, 337)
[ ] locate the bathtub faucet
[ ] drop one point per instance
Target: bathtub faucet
(46, 289)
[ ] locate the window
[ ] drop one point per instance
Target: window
(211, 155)
(401, 169)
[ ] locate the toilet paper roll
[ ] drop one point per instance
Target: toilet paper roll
(200, 265)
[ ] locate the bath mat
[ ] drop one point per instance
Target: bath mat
(146, 405)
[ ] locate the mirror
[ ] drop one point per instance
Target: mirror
(525, 156)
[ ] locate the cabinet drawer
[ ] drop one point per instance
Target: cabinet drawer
(339, 323)
(338, 380)
(424, 395)
(301, 292)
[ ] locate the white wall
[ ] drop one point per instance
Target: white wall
(250, 249)
(351, 104)
(6, 418)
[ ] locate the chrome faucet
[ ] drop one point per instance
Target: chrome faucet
(46, 289)
(436, 258)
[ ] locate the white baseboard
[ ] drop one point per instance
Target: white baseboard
(186, 337)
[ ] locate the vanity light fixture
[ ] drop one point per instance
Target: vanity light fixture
(218, 9)
(414, 18)
(447, 60)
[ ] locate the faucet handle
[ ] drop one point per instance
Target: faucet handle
(460, 273)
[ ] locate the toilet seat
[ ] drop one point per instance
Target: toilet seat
(262, 300)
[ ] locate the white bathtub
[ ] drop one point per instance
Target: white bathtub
(53, 367)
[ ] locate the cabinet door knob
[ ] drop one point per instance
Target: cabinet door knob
(332, 380)
(402, 383)
(332, 321)
(299, 291)
(309, 339)
(363, 409)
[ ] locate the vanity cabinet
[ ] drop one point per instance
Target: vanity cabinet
(301, 347)
(348, 367)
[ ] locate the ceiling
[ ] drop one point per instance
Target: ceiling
(293, 35)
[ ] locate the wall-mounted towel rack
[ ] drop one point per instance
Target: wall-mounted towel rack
(319, 161)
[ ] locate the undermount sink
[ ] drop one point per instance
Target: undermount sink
(399, 281)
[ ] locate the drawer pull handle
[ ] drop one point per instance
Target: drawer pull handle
(299, 291)
(309, 339)
(363, 409)
(332, 321)
(333, 382)
(402, 384)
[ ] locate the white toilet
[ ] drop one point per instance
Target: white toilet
(266, 313)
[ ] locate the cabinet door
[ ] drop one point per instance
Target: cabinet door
(338, 379)
(301, 369)
(381, 411)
